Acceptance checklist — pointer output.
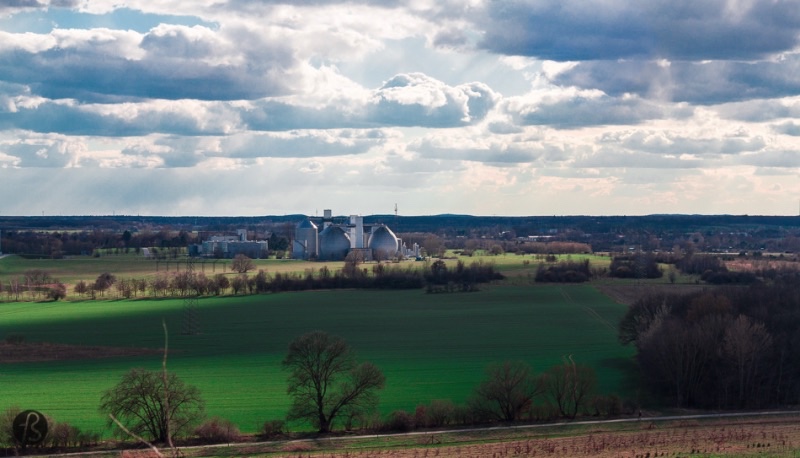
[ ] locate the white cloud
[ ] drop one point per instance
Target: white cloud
(514, 107)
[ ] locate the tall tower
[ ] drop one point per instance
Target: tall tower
(356, 231)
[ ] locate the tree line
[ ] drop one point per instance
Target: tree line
(437, 276)
(731, 347)
(331, 389)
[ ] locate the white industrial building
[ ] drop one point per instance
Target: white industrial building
(228, 246)
(336, 240)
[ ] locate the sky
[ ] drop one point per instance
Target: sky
(482, 107)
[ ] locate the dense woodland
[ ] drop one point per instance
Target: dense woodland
(727, 347)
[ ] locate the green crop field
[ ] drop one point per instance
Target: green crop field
(430, 346)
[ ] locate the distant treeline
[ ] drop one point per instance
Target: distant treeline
(665, 233)
(436, 277)
(731, 347)
(57, 244)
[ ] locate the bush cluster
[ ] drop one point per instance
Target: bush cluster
(564, 272)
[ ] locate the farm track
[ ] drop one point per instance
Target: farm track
(567, 297)
(764, 433)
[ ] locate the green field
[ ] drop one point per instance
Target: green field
(430, 346)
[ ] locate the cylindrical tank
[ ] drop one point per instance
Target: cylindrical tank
(307, 235)
(333, 244)
(383, 243)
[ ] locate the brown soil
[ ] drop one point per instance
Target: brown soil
(44, 351)
(774, 437)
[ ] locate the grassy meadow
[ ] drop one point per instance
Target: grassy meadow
(430, 346)
(72, 269)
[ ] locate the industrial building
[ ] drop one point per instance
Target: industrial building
(336, 240)
(228, 246)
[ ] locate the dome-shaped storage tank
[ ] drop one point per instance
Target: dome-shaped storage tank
(334, 244)
(306, 240)
(383, 243)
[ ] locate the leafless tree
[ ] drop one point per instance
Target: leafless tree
(326, 381)
(508, 390)
(152, 405)
(352, 262)
(570, 386)
(242, 264)
(745, 344)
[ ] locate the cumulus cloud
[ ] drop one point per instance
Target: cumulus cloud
(677, 144)
(404, 100)
(169, 62)
(13, 6)
(569, 109)
(788, 128)
(567, 30)
(43, 153)
(187, 117)
(773, 158)
(505, 150)
(417, 100)
(760, 110)
(563, 106)
(616, 158)
(298, 144)
(696, 82)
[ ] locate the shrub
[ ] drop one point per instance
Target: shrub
(606, 406)
(273, 428)
(399, 420)
(59, 291)
(7, 426)
(639, 265)
(564, 272)
(63, 435)
(440, 412)
(217, 430)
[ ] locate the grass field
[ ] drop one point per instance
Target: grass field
(73, 269)
(429, 346)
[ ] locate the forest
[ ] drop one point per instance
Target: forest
(729, 347)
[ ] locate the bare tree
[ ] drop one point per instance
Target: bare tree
(325, 381)
(352, 262)
(242, 264)
(570, 386)
(508, 390)
(745, 344)
(103, 282)
(239, 283)
(81, 287)
(152, 405)
(434, 245)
